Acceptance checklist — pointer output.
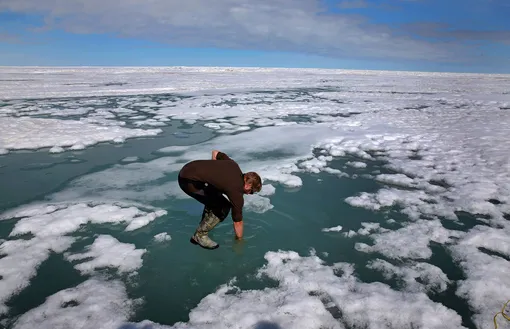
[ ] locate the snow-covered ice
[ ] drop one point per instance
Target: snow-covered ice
(106, 251)
(35, 133)
(94, 303)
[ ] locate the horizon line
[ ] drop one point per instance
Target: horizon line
(253, 68)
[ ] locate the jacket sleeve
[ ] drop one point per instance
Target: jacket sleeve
(237, 201)
(222, 156)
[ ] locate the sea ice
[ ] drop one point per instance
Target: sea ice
(446, 152)
(94, 303)
(106, 251)
(311, 294)
(411, 241)
(163, 236)
(20, 261)
(333, 229)
(35, 133)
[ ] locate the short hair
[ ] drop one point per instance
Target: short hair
(254, 179)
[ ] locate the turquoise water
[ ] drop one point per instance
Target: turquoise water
(28, 176)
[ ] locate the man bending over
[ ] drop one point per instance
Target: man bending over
(206, 181)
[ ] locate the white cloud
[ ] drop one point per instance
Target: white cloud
(287, 25)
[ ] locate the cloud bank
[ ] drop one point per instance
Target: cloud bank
(304, 26)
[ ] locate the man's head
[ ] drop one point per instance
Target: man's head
(252, 183)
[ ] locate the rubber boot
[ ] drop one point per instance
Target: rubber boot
(209, 221)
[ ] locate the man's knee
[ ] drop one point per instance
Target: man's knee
(223, 210)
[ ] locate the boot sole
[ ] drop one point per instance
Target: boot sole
(198, 244)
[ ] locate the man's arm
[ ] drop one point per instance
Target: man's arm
(217, 155)
(237, 201)
(238, 229)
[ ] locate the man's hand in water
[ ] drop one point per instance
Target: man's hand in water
(238, 246)
(238, 229)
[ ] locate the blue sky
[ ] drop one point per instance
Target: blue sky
(423, 35)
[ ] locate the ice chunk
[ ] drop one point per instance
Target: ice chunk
(410, 241)
(257, 203)
(414, 202)
(396, 179)
(417, 276)
(106, 251)
(163, 236)
(483, 255)
(141, 221)
(78, 146)
(68, 218)
(267, 189)
(332, 229)
(366, 229)
(92, 304)
(35, 133)
(56, 149)
(21, 260)
(356, 164)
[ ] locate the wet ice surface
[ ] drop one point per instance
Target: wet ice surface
(386, 199)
